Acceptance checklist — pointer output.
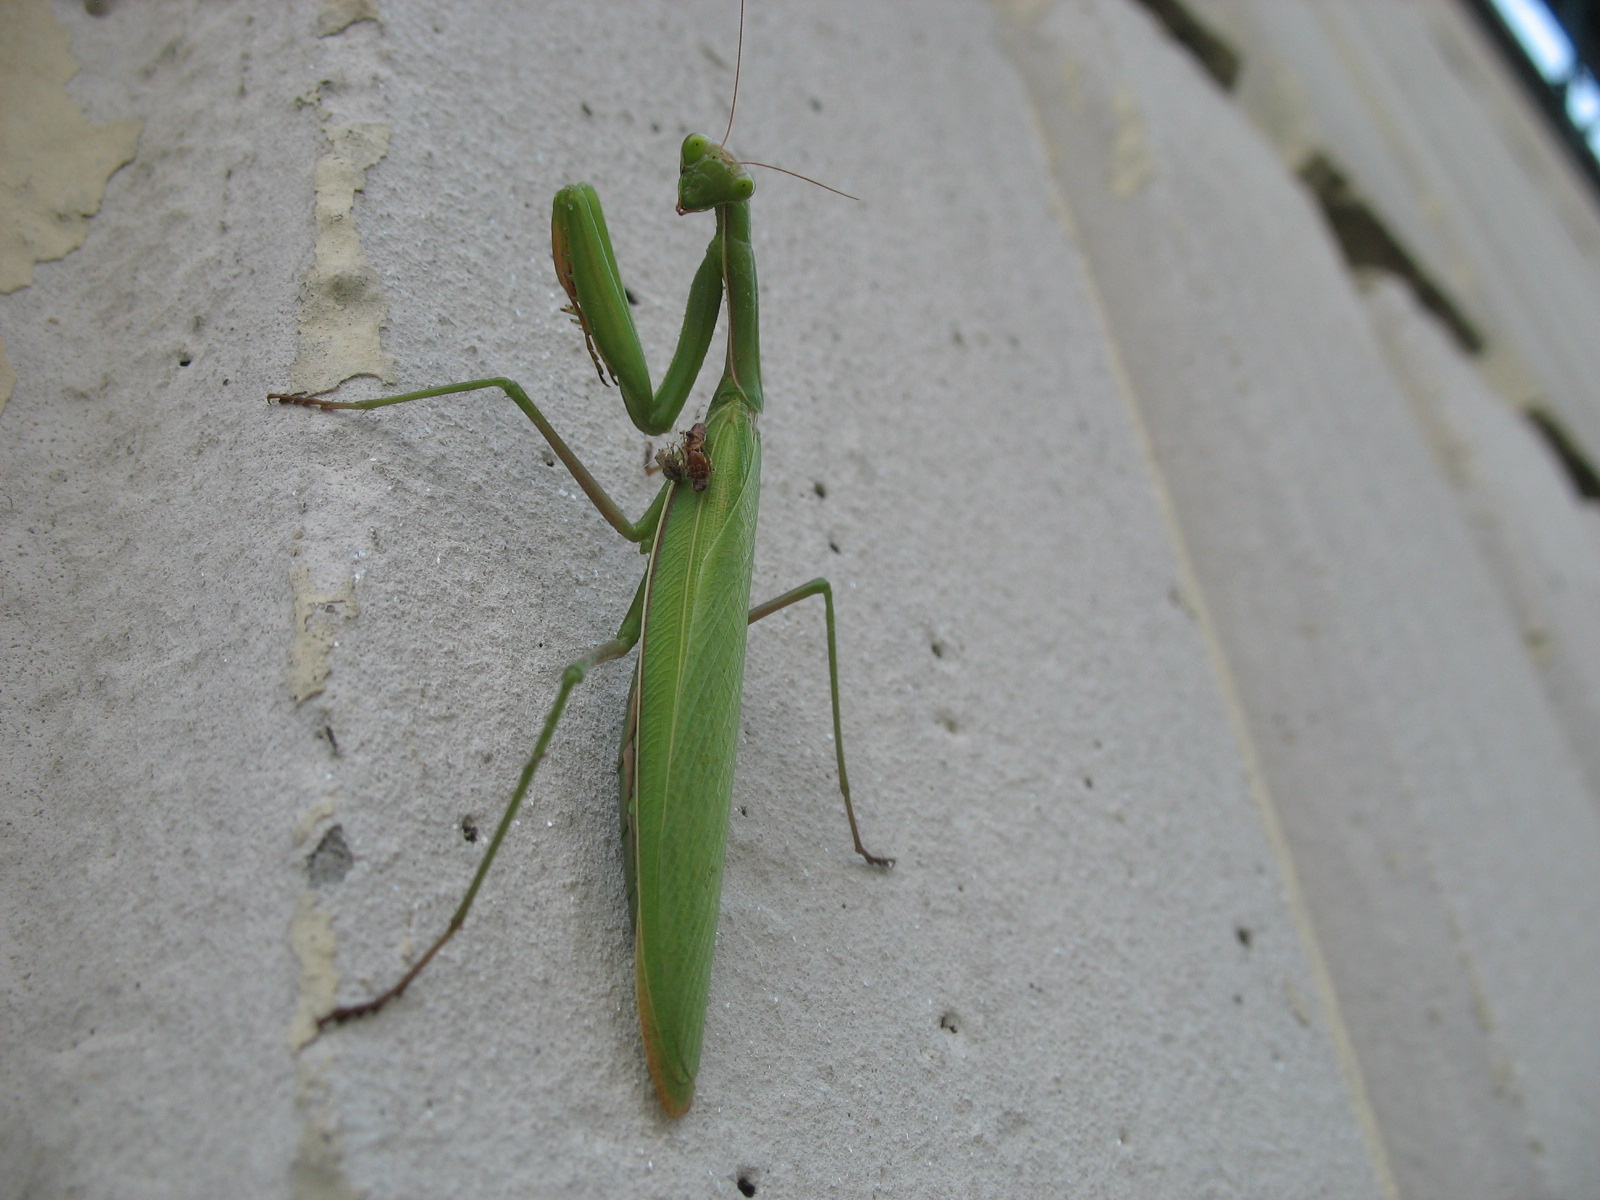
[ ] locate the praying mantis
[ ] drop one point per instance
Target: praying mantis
(690, 613)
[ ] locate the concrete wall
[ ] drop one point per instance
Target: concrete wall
(1216, 636)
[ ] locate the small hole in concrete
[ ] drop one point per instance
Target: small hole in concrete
(330, 861)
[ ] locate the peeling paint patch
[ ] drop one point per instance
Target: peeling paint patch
(311, 938)
(318, 1171)
(315, 617)
(342, 309)
(53, 163)
(311, 819)
(338, 15)
(8, 378)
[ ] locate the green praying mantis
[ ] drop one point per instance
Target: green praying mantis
(690, 613)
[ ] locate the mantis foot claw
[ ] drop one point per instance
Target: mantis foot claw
(300, 398)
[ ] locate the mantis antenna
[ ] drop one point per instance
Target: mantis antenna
(738, 65)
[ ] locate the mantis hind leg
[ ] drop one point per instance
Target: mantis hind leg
(627, 637)
(821, 587)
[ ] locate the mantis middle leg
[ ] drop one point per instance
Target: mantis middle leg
(821, 587)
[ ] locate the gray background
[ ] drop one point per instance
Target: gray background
(1218, 642)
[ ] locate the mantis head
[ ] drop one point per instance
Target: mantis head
(710, 176)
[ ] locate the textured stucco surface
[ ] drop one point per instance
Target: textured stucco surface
(1433, 802)
(1112, 960)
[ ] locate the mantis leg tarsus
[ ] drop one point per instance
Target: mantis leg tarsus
(305, 399)
(350, 1012)
(821, 587)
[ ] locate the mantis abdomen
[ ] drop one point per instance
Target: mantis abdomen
(677, 783)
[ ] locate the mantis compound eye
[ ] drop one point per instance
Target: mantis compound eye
(695, 147)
